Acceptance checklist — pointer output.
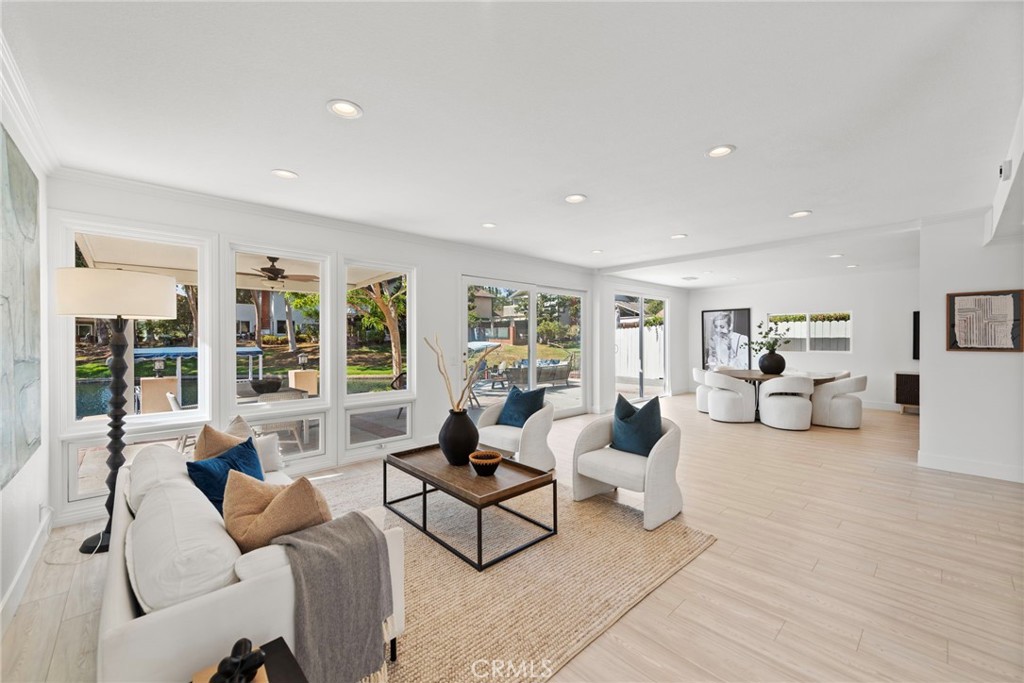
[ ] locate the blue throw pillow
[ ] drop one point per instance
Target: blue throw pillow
(211, 474)
(636, 431)
(520, 405)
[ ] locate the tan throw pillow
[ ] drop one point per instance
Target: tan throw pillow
(212, 442)
(256, 512)
(240, 428)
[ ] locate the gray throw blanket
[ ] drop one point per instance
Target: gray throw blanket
(342, 597)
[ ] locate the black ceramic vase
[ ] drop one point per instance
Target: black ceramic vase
(458, 437)
(771, 363)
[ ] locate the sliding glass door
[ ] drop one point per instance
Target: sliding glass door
(639, 346)
(532, 338)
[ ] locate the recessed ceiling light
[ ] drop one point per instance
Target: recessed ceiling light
(835, 255)
(576, 198)
(802, 213)
(488, 225)
(690, 278)
(678, 236)
(285, 173)
(719, 151)
(597, 251)
(345, 109)
(852, 265)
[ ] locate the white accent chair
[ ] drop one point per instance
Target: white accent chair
(785, 402)
(731, 399)
(598, 468)
(832, 406)
(702, 390)
(530, 442)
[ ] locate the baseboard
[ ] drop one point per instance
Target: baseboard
(882, 405)
(11, 601)
(978, 468)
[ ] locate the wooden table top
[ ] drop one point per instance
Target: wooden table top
(758, 376)
(510, 479)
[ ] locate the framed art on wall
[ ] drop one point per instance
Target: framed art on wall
(726, 338)
(984, 321)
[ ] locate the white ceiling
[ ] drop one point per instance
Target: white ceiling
(871, 114)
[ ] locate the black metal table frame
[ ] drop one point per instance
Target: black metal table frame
(479, 563)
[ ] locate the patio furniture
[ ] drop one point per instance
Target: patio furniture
(292, 427)
(785, 402)
(546, 374)
(530, 442)
(599, 468)
(500, 376)
(306, 380)
(153, 393)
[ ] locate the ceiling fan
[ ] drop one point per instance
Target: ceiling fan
(274, 273)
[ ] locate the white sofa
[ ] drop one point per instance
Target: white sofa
(172, 643)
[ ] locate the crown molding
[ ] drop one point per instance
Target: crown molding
(19, 111)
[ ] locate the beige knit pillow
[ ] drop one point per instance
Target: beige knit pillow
(212, 442)
(256, 512)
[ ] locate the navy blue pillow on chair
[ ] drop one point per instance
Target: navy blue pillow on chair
(636, 431)
(211, 475)
(520, 405)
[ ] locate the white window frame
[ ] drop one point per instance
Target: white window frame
(354, 447)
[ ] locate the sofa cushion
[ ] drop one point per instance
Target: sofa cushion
(520, 405)
(256, 512)
(177, 547)
(152, 465)
(636, 431)
(212, 442)
(211, 475)
(268, 447)
(501, 437)
(615, 467)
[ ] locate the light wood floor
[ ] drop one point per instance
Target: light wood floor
(838, 559)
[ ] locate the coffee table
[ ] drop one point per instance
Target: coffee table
(511, 479)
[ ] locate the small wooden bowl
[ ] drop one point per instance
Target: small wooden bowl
(485, 462)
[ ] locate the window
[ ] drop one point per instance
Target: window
(377, 324)
(368, 426)
(639, 346)
(163, 370)
(89, 468)
(560, 348)
(815, 331)
(277, 323)
(300, 436)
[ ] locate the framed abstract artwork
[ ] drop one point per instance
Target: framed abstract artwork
(726, 338)
(984, 321)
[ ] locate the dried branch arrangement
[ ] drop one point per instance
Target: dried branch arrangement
(460, 405)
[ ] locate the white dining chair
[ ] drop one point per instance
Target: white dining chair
(832, 405)
(702, 390)
(785, 402)
(731, 399)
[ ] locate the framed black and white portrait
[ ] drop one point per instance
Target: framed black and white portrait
(726, 338)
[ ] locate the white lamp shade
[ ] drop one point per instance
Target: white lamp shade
(103, 293)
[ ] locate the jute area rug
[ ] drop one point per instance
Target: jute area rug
(526, 617)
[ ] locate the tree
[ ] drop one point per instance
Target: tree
(192, 298)
(380, 306)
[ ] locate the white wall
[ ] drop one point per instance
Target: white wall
(972, 403)
(79, 199)
(882, 305)
(24, 501)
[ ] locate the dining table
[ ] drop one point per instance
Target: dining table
(756, 377)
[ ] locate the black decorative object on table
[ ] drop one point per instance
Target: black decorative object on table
(458, 437)
(266, 385)
(485, 463)
(771, 363)
(241, 666)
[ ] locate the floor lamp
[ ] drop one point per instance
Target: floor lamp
(118, 296)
